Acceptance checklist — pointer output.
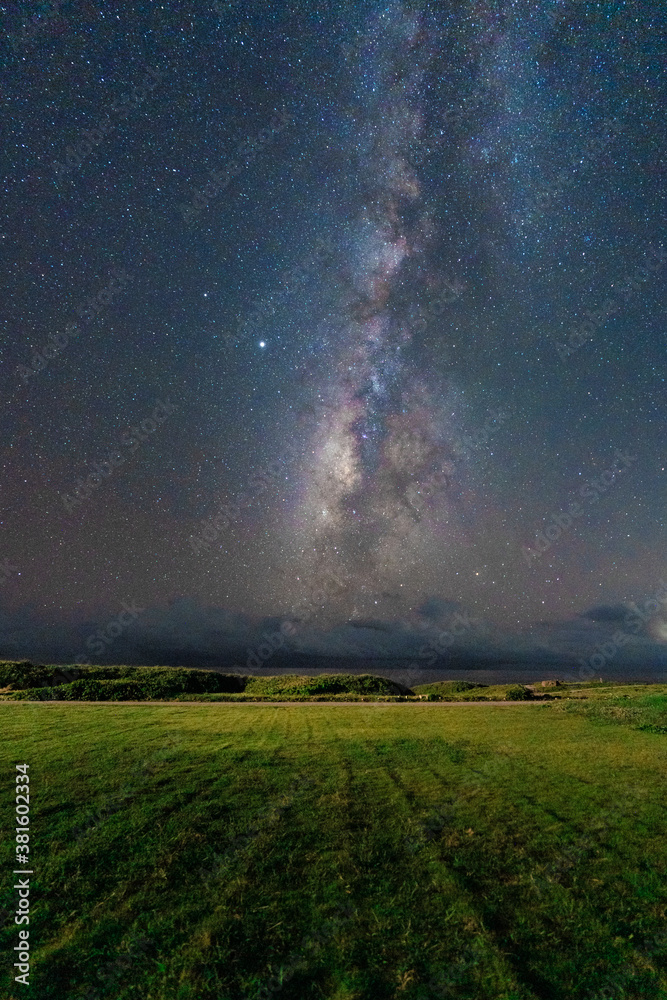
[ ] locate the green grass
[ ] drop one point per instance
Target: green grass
(469, 691)
(646, 711)
(371, 851)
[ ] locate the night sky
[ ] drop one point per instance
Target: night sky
(349, 318)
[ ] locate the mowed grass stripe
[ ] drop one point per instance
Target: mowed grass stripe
(352, 853)
(400, 875)
(505, 860)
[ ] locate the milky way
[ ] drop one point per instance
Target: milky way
(388, 435)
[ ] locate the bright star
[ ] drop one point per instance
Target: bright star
(262, 344)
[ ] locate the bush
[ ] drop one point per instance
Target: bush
(148, 682)
(85, 689)
(22, 674)
(447, 688)
(324, 684)
(518, 693)
(92, 690)
(127, 683)
(164, 682)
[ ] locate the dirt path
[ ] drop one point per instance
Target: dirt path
(215, 704)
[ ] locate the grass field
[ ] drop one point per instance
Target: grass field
(372, 851)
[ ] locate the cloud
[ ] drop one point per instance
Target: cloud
(607, 613)
(186, 633)
(370, 623)
(435, 608)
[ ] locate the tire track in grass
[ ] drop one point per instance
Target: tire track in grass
(236, 858)
(558, 943)
(448, 820)
(270, 912)
(338, 877)
(446, 831)
(272, 921)
(514, 908)
(444, 824)
(225, 912)
(324, 878)
(404, 888)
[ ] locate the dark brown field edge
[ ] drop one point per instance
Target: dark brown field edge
(377, 704)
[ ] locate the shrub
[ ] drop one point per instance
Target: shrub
(518, 693)
(21, 674)
(128, 683)
(155, 682)
(85, 689)
(121, 683)
(447, 688)
(325, 684)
